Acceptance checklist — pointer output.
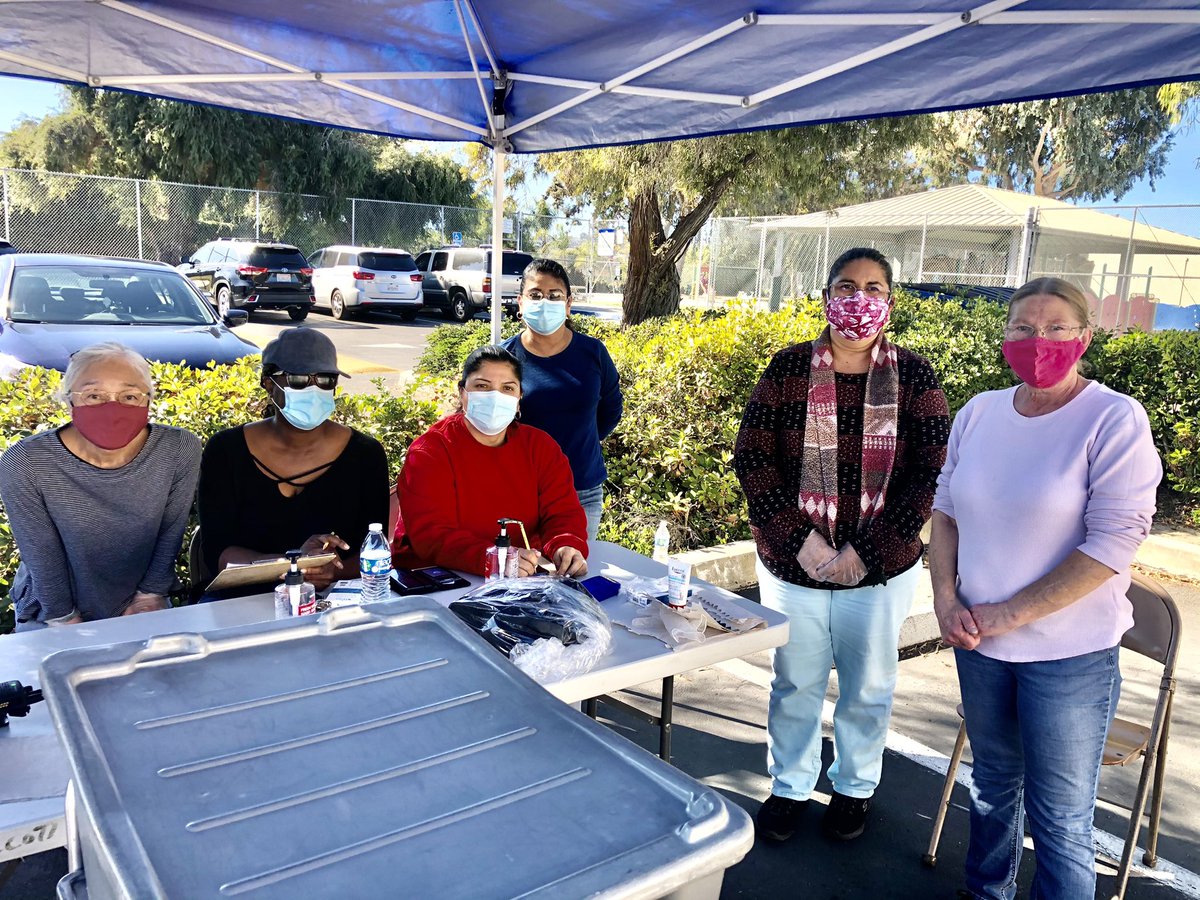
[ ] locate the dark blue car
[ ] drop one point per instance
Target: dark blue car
(54, 304)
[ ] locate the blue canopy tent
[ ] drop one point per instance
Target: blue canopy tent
(541, 75)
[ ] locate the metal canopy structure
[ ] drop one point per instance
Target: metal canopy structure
(542, 75)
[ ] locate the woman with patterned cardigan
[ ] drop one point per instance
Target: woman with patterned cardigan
(838, 454)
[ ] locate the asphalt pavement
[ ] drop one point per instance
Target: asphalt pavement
(378, 345)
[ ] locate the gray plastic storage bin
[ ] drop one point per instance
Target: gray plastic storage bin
(381, 753)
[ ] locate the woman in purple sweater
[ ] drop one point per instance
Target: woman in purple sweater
(1047, 491)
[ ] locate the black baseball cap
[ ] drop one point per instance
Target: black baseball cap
(302, 351)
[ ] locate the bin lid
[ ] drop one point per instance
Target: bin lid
(366, 752)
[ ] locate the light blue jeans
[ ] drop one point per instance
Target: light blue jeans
(1037, 733)
(592, 501)
(857, 630)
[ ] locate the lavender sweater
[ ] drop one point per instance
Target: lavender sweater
(1025, 492)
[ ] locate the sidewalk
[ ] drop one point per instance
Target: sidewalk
(1169, 552)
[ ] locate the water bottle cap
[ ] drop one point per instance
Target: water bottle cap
(375, 526)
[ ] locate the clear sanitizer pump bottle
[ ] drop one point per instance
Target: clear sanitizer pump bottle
(295, 597)
(501, 558)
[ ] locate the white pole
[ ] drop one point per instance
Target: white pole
(498, 156)
(7, 232)
(921, 255)
(762, 260)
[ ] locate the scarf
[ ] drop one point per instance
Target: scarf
(818, 465)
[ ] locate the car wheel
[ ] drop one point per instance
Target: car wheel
(298, 314)
(408, 315)
(460, 309)
(223, 301)
(337, 305)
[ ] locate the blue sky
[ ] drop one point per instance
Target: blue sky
(21, 97)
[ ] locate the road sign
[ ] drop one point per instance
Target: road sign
(606, 242)
(456, 238)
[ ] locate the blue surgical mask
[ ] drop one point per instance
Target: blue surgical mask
(306, 408)
(490, 411)
(544, 316)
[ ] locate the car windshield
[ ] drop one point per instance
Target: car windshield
(387, 262)
(277, 258)
(95, 294)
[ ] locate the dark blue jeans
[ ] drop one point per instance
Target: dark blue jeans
(1037, 733)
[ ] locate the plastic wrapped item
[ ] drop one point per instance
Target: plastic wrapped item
(549, 627)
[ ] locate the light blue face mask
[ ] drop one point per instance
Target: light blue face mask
(490, 411)
(308, 407)
(544, 316)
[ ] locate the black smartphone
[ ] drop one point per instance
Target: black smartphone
(445, 579)
(410, 581)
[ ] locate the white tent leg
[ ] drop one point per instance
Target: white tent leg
(498, 156)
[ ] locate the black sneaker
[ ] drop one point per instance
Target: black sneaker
(779, 816)
(846, 817)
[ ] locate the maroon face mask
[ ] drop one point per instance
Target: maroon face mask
(111, 425)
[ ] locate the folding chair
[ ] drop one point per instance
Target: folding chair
(1155, 634)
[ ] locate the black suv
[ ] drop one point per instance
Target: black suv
(249, 275)
(6, 247)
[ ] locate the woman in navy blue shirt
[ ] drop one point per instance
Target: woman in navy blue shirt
(570, 383)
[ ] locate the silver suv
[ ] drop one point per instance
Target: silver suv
(458, 280)
(353, 280)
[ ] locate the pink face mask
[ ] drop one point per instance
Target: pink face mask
(858, 317)
(1041, 362)
(110, 425)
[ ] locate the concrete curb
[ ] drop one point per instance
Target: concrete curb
(731, 566)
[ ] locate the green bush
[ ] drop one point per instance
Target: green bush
(448, 345)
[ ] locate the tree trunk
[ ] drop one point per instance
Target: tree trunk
(652, 279)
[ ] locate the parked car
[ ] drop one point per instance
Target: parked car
(243, 274)
(352, 280)
(458, 280)
(961, 291)
(6, 247)
(53, 304)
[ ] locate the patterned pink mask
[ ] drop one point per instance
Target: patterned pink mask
(858, 317)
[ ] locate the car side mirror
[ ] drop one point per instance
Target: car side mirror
(236, 317)
(187, 261)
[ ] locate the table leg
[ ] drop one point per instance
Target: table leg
(664, 718)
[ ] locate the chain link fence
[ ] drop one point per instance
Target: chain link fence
(1139, 266)
(60, 213)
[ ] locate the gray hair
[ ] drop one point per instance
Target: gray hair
(82, 360)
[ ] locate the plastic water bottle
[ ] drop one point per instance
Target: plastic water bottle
(662, 543)
(375, 565)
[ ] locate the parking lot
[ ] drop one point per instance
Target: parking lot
(379, 345)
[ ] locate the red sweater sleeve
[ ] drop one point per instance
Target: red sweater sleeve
(561, 520)
(428, 514)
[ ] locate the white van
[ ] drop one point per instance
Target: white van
(351, 280)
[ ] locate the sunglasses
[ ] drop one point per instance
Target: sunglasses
(326, 382)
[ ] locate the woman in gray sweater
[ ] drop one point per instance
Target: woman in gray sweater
(98, 507)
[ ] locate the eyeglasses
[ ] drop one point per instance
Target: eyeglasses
(325, 381)
(1050, 332)
(96, 398)
(555, 296)
(845, 289)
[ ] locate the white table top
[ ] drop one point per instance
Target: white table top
(35, 769)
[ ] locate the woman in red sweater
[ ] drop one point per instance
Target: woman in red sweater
(479, 465)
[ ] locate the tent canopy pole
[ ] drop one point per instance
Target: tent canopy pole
(498, 160)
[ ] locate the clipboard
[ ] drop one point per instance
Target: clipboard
(264, 571)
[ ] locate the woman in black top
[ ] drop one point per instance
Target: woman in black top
(295, 479)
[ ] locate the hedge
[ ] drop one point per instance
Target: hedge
(686, 380)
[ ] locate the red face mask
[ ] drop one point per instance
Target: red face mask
(111, 425)
(1041, 362)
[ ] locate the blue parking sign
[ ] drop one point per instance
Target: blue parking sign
(456, 238)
